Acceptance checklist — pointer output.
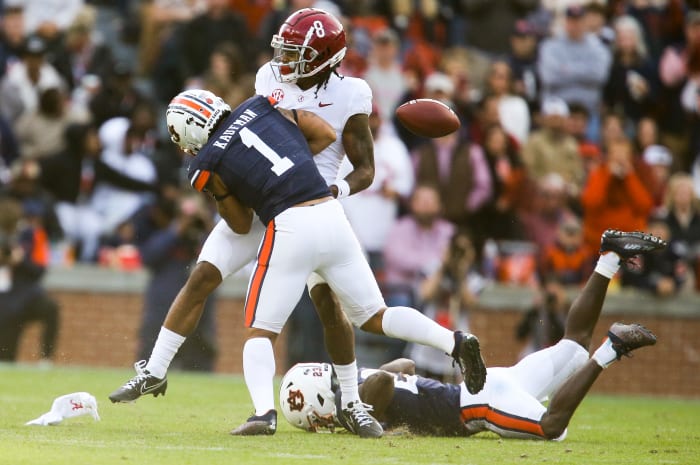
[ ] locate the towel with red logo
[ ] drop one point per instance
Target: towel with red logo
(68, 406)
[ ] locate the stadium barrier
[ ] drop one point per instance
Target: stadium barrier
(101, 312)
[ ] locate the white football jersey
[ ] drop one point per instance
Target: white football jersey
(336, 103)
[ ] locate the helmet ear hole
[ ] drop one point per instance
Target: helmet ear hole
(191, 117)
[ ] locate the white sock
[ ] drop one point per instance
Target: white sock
(608, 264)
(259, 372)
(411, 325)
(164, 350)
(347, 378)
(605, 355)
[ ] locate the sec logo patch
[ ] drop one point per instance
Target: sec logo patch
(277, 94)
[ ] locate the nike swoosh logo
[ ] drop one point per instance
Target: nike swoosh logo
(145, 388)
(321, 104)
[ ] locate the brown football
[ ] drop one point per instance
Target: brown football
(427, 117)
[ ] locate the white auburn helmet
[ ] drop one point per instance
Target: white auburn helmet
(307, 398)
(308, 41)
(192, 116)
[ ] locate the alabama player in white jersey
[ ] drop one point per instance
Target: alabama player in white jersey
(308, 48)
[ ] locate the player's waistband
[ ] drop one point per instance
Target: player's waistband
(311, 203)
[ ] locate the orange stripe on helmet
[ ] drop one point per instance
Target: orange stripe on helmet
(256, 283)
(193, 105)
(502, 420)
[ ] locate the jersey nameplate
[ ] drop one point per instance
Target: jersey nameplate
(225, 137)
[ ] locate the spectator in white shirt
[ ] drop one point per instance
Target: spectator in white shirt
(20, 87)
(114, 204)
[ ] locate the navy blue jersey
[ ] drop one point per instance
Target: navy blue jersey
(262, 158)
(425, 405)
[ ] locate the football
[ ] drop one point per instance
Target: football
(427, 117)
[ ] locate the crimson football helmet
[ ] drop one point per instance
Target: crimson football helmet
(307, 42)
(307, 399)
(192, 116)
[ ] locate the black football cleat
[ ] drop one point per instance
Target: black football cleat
(468, 356)
(258, 425)
(141, 384)
(355, 418)
(626, 338)
(629, 244)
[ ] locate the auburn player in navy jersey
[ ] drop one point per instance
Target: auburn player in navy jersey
(510, 404)
(257, 164)
(261, 163)
(308, 49)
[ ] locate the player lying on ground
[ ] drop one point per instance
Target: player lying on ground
(510, 404)
(257, 162)
(309, 47)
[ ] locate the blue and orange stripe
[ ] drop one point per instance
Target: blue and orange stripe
(251, 304)
(502, 420)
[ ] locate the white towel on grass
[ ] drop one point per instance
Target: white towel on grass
(68, 406)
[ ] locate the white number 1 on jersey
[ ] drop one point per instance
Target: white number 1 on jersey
(279, 164)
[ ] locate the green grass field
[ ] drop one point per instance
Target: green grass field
(190, 426)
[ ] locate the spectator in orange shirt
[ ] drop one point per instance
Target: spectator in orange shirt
(614, 196)
(567, 261)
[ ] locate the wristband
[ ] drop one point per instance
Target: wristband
(343, 189)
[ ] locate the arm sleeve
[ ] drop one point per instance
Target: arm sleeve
(199, 179)
(103, 172)
(262, 80)
(361, 100)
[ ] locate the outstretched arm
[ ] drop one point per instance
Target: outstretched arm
(318, 133)
(400, 365)
(359, 148)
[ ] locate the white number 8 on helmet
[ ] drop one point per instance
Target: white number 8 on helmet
(307, 398)
(192, 116)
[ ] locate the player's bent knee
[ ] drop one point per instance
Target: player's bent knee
(204, 279)
(252, 333)
(326, 306)
(552, 427)
(374, 324)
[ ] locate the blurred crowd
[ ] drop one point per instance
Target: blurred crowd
(577, 116)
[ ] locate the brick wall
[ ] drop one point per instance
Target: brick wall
(100, 329)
